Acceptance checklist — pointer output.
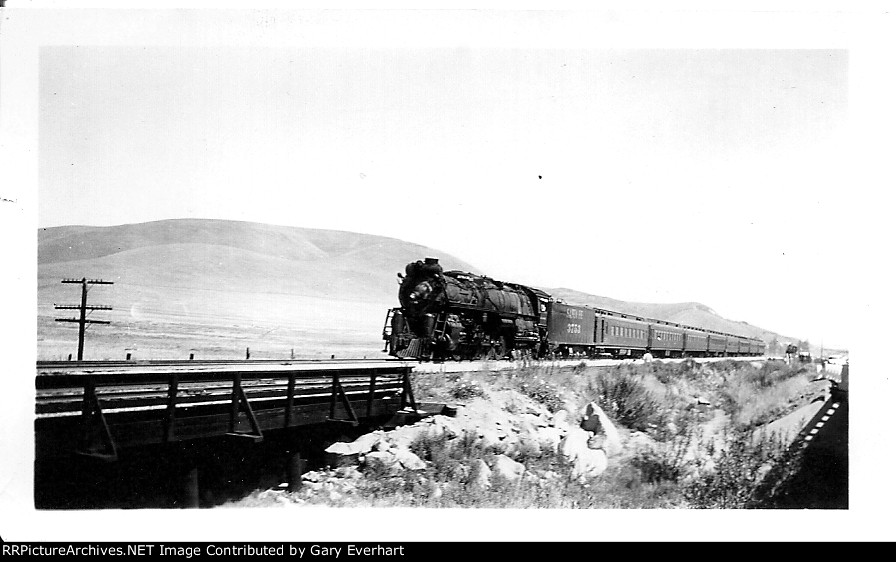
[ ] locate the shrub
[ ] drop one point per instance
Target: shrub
(664, 463)
(624, 397)
(754, 396)
(735, 476)
(544, 393)
(466, 389)
(773, 373)
(671, 372)
(431, 386)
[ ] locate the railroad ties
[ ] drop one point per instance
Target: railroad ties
(837, 404)
(821, 477)
(96, 409)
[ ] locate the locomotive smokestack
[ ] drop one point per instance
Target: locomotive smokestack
(431, 267)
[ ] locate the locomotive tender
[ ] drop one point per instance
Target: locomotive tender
(456, 315)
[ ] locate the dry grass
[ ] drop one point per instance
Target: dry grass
(754, 397)
(684, 468)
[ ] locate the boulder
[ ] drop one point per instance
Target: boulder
(348, 486)
(434, 432)
(366, 442)
(350, 472)
(533, 420)
(383, 460)
(640, 441)
(508, 442)
(587, 463)
(402, 437)
(443, 426)
(561, 419)
(341, 454)
(549, 438)
(339, 448)
(409, 460)
(489, 437)
(574, 443)
(312, 476)
(359, 446)
(525, 428)
(507, 467)
(596, 421)
(590, 463)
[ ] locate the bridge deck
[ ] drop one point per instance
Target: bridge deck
(96, 409)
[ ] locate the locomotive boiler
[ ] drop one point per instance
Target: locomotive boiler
(458, 315)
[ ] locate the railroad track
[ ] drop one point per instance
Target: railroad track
(120, 398)
(133, 386)
(50, 368)
(99, 407)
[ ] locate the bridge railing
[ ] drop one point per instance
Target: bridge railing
(97, 410)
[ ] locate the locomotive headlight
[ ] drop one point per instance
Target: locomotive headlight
(420, 292)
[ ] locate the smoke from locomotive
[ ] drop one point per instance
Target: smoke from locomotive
(457, 315)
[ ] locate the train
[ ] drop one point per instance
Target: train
(454, 315)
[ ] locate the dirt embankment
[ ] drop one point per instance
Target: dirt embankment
(642, 436)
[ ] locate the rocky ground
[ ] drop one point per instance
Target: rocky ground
(507, 448)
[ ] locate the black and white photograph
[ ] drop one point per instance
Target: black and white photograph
(472, 274)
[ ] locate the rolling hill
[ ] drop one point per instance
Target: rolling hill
(229, 256)
(215, 287)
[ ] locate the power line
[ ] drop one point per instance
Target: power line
(82, 321)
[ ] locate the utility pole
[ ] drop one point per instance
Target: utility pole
(83, 321)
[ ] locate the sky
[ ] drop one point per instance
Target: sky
(653, 175)
(727, 155)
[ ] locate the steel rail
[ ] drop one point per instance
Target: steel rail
(100, 407)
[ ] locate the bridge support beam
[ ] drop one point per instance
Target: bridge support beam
(295, 467)
(188, 492)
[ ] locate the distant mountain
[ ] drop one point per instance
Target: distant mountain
(191, 284)
(689, 313)
(214, 288)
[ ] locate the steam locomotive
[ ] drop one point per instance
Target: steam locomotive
(452, 315)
